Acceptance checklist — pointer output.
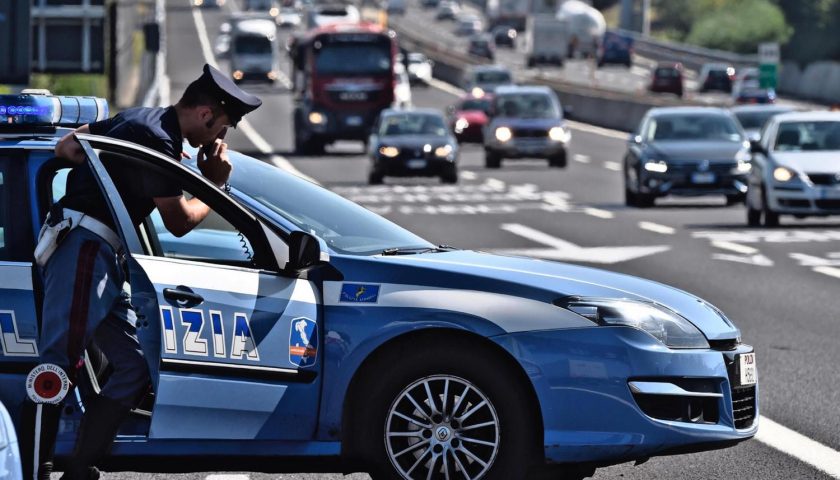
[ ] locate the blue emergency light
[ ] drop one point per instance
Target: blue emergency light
(41, 108)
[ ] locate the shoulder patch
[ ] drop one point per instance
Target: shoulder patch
(359, 293)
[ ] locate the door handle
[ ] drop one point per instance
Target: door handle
(182, 296)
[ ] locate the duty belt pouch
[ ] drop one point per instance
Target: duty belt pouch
(52, 233)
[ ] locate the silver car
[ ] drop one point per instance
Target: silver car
(795, 168)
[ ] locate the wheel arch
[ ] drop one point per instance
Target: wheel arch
(417, 339)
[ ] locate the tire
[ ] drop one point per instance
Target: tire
(531, 62)
(735, 199)
(630, 197)
(447, 370)
(450, 176)
(771, 218)
(375, 178)
(492, 159)
(558, 161)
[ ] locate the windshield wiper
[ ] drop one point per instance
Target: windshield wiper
(417, 250)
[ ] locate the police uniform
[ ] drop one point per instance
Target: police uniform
(86, 296)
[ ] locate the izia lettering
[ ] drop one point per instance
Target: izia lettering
(193, 341)
(13, 345)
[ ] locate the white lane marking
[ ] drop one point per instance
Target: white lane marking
(468, 175)
(495, 183)
(560, 249)
(597, 212)
(614, 166)
(657, 228)
(227, 477)
(830, 271)
(451, 89)
(606, 132)
(580, 158)
(758, 259)
(806, 260)
(734, 247)
(244, 125)
(798, 446)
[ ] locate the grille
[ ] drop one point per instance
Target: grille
(352, 97)
(823, 178)
(530, 132)
(693, 167)
(828, 204)
(794, 203)
(679, 408)
(724, 345)
(743, 398)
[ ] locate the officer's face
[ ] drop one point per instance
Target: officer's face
(207, 127)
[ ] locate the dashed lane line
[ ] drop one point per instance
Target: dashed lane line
(468, 175)
(580, 158)
(599, 213)
(657, 228)
(734, 247)
(799, 446)
(228, 477)
(830, 271)
(614, 166)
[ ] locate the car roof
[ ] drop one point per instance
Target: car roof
(819, 115)
(470, 96)
(413, 110)
(512, 89)
(764, 107)
(256, 26)
(687, 111)
(489, 68)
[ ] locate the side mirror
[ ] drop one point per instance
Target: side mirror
(754, 137)
(756, 147)
(635, 138)
(568, 111)
(305, 252)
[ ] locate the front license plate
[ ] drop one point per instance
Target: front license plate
(417, 163)
(354, 121)
(829, 193)
(703, 178)
(748, 371)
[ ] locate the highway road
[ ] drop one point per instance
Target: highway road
(778, 285)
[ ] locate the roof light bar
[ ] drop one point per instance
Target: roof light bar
(40, 108)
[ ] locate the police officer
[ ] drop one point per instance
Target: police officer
(85, 294)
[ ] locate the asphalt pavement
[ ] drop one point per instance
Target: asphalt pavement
(778, 285)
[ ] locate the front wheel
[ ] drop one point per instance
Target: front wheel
(558, 161)
(492, 159)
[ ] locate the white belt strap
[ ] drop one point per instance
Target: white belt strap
(79, 219)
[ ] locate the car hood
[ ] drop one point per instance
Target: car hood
(546, 281)
(810, 162)
(694, 150)
(512, 122)
(472, 116)
(404, 141)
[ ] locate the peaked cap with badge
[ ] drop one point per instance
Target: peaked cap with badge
(235, 101)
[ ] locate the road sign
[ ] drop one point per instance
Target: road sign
(68, 36)
(768, 69)
(14, 42)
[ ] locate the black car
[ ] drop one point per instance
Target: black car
(753, 117)
(504, 36)
(482, 45)
(686, 151)
(716, 76)
(412, 143)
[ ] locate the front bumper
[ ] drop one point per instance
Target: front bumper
(411, 166)
(590, 414)
(690, 183)
(803, 199)
(519, 147)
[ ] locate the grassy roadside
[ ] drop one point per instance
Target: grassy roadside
(67, 84)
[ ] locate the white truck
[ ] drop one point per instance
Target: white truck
(546, 40)
(512, 13)
(585, 28)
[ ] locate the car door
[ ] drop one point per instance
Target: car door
(233, 343)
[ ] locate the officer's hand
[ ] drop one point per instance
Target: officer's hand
(213, 162)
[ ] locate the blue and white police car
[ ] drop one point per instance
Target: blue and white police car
(296, 325)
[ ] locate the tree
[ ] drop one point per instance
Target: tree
(740, 26)
(815, 24)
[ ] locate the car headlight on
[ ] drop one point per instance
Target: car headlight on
(238, 75)
(656, 166)
(198, 3)
(663, 324)
(317, 118)
(743, 167)
(274, 11)
(443, 151)
(389, 152)
(743, 155)
(782, 174)
(461, 124)
(503, 134)
(559, 134)
(477, 92)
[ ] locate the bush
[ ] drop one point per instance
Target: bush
(741, 26)
(71, 84)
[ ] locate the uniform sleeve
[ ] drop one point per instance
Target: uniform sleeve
(102, 127)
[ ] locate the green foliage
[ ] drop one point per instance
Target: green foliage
(740, 26)
(673, 19)
(71, 84)
(815, 24)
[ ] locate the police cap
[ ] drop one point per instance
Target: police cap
(235, 101)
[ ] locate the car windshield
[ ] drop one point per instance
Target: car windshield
(413, 124)
(493, 77)
(667, 72)
(527, 105)
(248, 45)
(755, 120)
(808, 136)
(476, 104)
(368, 58)
(694, 127)
(346, 227)
(416, 58)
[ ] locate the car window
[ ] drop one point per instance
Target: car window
(694, 127)
(413, 124)
(527, 105)
(492, 77)
(808, 136)
(476, 104)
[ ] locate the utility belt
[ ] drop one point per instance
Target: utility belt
(61, 221)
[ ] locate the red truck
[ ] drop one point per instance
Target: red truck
(343, 76)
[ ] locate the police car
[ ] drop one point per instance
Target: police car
(294, 324)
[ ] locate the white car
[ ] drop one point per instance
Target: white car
(288, 18)
(419, 68)
(10, 468)
(402, 87)
(321, 15)
(745, 79)
(795, 168)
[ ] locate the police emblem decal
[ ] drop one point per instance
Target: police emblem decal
(303, 342)
(47, 383)
(359, 293)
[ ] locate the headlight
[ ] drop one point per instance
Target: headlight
(238, 75)
(656, 166)
(743, 155)
(461, 124)
(477, 92)
(316, 118)
(503, 134)
(782, 174)
(198, 3)
(666, 326)
(558, 134)
(389, 152)
(443, 151)
(743, 167)
(274, 11)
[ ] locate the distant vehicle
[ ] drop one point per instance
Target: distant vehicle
(716, 76)
(795, 168)
(482, 45)
(504, 36)
(469, 116)
(755, 95)
(467, 25)
(511, 13)
(686, 151)
(745, 78)
(323, 15)
(419, 68)
(753, 117)
(209, 3)
(411, 143)
(336, 99)
(615, 48)
(289, 17)
(585, 28)
(402, 87)
(447, 10)
(429, 3)
(481, 79)
(667, 78)
(254, 52)
(395, 7)
(526, 122)
(270, 7)
(545, 40)
(10, 461)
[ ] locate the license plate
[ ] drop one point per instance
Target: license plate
(531, 149)
(354, 121)
(416, 163)
(829, 193)
(748, 370)
(703, 178)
